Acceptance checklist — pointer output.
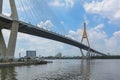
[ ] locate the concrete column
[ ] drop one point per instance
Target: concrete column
(13, 10)
(1, 3)
(92, 54)
(2, 45)
(12, 40)
(82, 53)
(88, 53)
(14, 31)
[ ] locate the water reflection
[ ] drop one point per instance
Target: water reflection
(65, 70)
(85, 69)
(7, 73)
(59, 70)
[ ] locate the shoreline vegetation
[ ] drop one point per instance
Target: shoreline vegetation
(22, 62)
(78, 57)
(107, 57)
(11, 64)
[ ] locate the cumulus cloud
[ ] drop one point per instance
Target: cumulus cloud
(60, 3)
(100, 26)
(69, 3)
(113, 43)
(7, 14)
(107, 8)
(76, 35)
(57, 3)
(45, 24)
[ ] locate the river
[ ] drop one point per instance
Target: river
(65, 70)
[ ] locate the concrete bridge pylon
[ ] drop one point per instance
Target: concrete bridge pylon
(84, 36)
(8, 51)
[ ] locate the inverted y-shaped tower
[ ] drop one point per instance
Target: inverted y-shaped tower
(84, 36)
(8, 51)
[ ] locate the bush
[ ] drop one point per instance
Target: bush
(28, 59)
(21, 59)
(11, 60)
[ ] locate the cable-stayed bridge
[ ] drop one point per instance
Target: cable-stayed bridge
(15, 25)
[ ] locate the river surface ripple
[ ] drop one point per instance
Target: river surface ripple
(65, 70)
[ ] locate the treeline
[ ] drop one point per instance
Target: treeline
(106, 57)
(78, 57)
(64, 57)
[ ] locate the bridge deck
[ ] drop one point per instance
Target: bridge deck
(5, 22)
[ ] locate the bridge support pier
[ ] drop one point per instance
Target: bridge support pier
(14, 31)
(83, 56)
(8, 52)
(84, 36)
(1, 3)
(12, 40)
(2, 41)
(92, 54)
(87, 55)
(2, 45)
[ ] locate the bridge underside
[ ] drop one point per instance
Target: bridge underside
(6, 23)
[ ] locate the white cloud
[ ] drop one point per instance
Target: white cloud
(100, 26)
(62, 3)
(117, 15)
(113, 43)
(75, 35)
(45, 25)
(107, 8)
(57, 3)
(98, 37)
(117, 34)
(69, 3)
(6, 8)
(7, 14)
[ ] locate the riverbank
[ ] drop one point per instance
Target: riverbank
(80, 57)
(106, 57)
(11, 64)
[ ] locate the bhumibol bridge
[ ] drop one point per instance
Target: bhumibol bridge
(15, 25)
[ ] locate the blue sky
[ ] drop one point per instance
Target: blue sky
(66, 17)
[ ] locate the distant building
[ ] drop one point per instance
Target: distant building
(59, 55)
(31, 54)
